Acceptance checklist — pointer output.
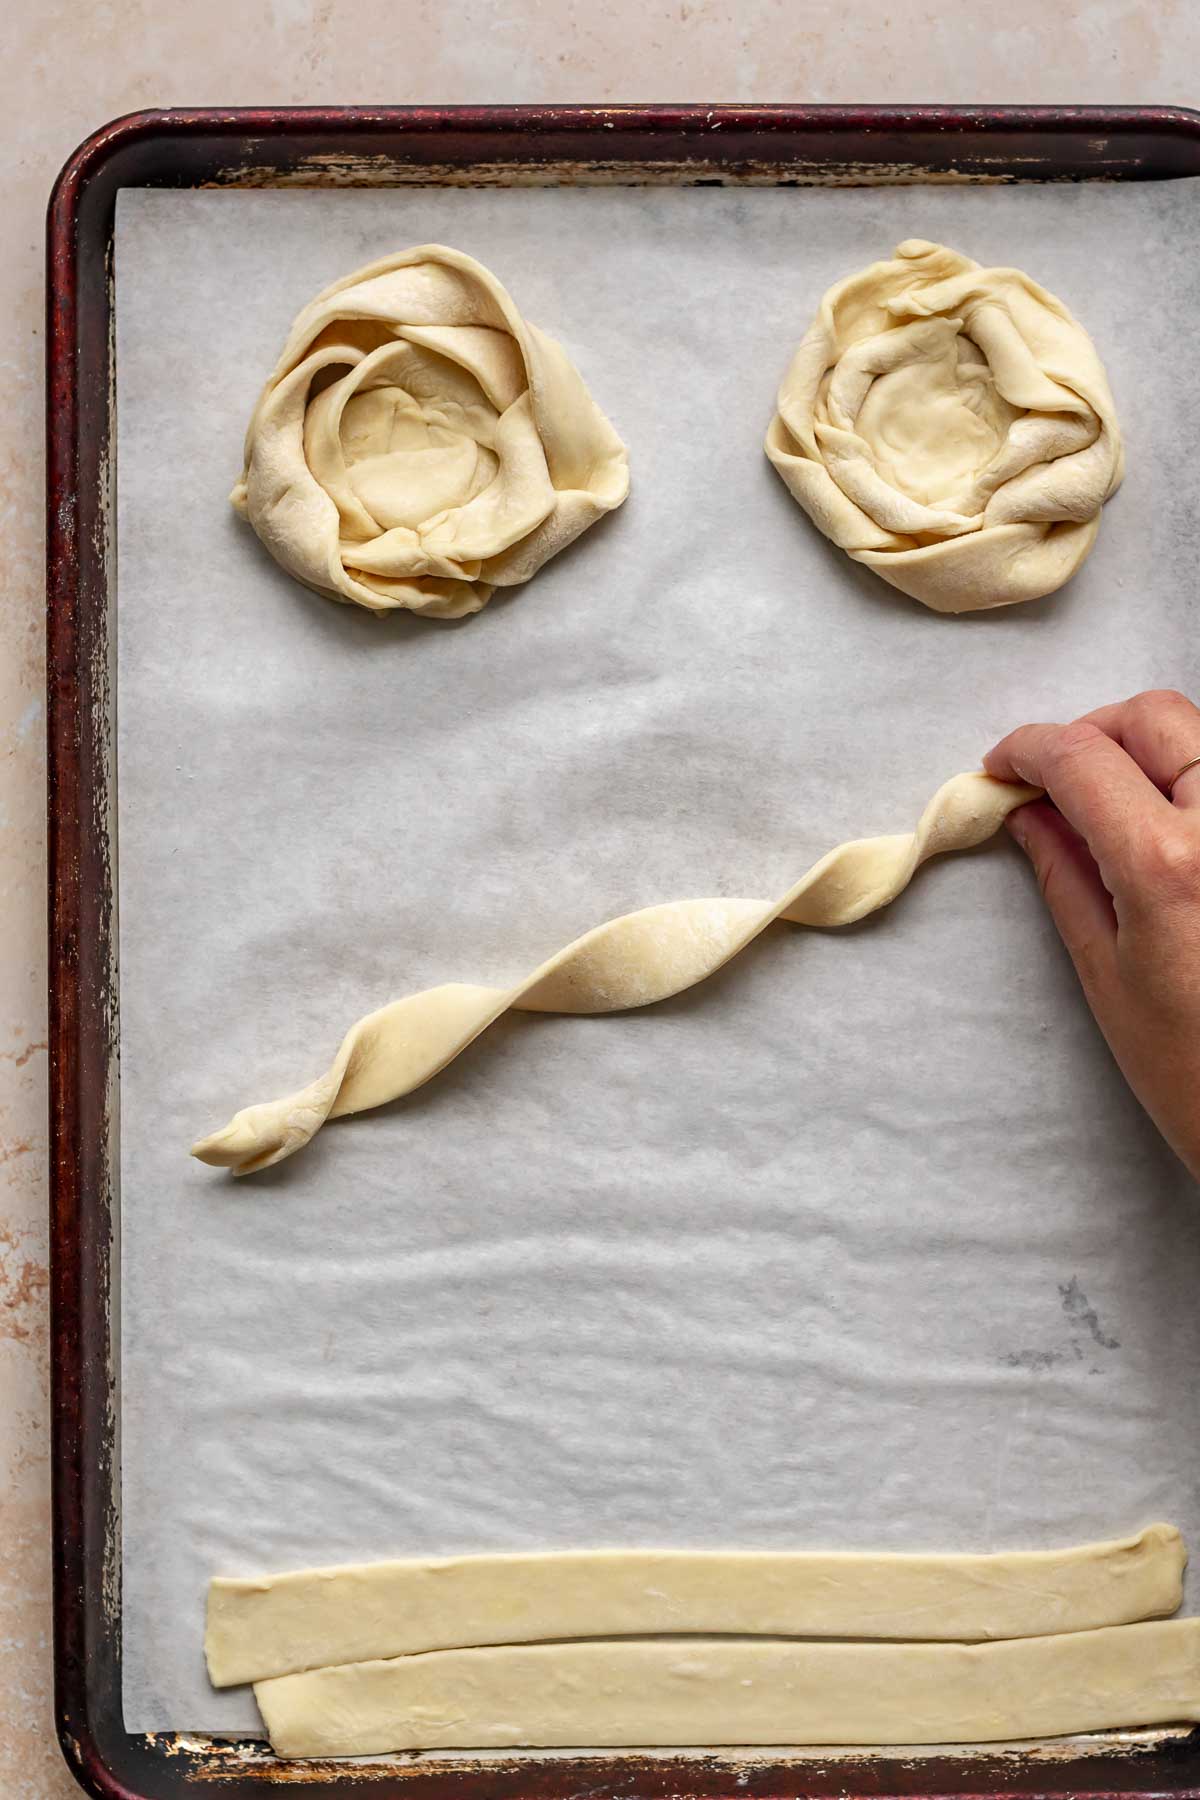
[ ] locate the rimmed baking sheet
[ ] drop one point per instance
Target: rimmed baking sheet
(864, 1242)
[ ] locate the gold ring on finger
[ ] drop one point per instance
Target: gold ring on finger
(1192, 763)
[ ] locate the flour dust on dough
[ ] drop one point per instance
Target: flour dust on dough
(261, 1627)
(631, 961)
(708, 1691)
(420, 444)
(952, 427)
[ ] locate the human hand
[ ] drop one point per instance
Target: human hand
(1118, 863)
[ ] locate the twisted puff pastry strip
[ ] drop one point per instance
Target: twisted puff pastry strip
(632, 961)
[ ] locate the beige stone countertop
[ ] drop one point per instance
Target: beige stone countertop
(70, 65)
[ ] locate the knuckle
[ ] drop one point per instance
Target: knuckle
(1072, 741)
(1169, 858)
(1155, 700)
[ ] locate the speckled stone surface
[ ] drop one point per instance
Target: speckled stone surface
(70, 66)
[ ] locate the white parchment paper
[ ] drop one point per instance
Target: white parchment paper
(863, 1243)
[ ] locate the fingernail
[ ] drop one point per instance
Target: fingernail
(1016, 824)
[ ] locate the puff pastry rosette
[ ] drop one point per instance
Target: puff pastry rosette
(420, 444)
(952, 427)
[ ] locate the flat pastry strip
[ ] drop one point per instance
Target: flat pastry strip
(708, 1691)
(283, 1624)
(631, 961)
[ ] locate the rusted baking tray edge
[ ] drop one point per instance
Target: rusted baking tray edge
(375, 146)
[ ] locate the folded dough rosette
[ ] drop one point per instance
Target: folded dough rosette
(952, 427)
(420, 443)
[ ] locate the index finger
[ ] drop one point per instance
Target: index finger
(1094, 783)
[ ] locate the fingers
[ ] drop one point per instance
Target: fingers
(1077, 898)
(1096, 785)
(1161, 731)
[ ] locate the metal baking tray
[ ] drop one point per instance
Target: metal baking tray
(694, 145)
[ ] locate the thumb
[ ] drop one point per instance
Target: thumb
(1077, 898)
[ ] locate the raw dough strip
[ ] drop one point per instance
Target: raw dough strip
(740, 1691)
(632, 961)
(284, 1624)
